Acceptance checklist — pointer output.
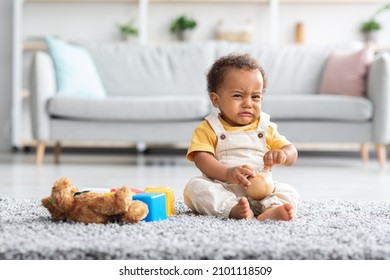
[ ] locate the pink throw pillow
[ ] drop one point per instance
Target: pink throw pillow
(345, 72)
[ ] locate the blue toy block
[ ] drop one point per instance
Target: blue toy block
(156, 205)
(169, 197)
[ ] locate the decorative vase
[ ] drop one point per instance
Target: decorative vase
(371, 36)
(183, 35)
(129, 38)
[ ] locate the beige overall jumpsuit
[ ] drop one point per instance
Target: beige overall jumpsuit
(235, 148)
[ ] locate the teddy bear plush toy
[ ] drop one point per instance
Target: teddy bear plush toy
(66, 202)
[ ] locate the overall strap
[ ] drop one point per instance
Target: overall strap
(264, 122)
(215, 123)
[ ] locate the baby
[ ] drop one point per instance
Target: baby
(229, 147)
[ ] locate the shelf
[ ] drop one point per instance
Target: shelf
(211, 1)
(80, 1)
(382, 49)
(218, 1)
(154, 1)
(333, 1)
(34, 45)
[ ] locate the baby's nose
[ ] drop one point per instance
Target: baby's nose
(247, 103)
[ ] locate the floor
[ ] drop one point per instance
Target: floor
(316, 176)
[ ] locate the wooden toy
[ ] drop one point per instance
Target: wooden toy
(169, 196)
(156, 203)
(261, 186)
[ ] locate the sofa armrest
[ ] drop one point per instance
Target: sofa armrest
(43, 87)
(378, 91)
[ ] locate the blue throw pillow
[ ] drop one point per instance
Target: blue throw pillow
(76, 73)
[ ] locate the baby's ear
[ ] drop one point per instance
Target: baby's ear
(46, 202)
(63, 200)
(214, 99)
(55, 213)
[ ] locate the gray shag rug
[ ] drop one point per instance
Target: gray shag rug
(321, 230)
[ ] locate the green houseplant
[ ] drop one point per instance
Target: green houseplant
(128, 30)
(181, 27)
(370, 27)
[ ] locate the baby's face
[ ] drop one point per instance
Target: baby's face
(239, 96)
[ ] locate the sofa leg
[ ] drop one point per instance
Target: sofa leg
(381, 153)
(57, 152)
(39, 153)
(141, 147)
(364, 152)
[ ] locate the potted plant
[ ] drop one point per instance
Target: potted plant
(128, 30)
(372, 26)
(181, 26)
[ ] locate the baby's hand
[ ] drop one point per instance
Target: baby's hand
(239, 175)
(274, 157)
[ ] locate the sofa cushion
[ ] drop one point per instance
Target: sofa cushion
(345, 72)
(135, 108)
(318, 107)
(132, 69)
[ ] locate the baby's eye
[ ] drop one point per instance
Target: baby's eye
(237, 95)
(256, 97)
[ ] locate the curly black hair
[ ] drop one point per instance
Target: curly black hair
(217, 72)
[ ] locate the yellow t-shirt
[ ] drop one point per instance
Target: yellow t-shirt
(204, 138)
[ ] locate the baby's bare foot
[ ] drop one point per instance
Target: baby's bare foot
(281, 212)
(241, 210)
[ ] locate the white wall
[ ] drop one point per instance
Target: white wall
(5, 73)
(96, 21)
(331, 23)
(208, 15)
(324, 23)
